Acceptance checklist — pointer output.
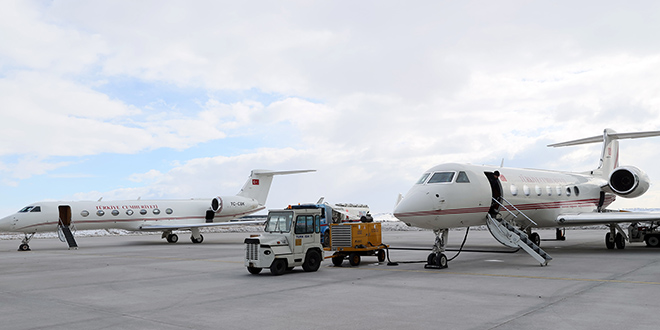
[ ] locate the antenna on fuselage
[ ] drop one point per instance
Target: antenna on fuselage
(502, 163)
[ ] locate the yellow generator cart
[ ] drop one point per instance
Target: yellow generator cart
(354, 240)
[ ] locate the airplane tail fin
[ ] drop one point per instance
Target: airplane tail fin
(609, 157)
(258, 184)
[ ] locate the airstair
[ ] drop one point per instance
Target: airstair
(504, 231)
(64, 233)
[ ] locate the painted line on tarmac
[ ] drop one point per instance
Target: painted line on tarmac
(511, 276)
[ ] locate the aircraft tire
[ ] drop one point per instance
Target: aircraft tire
(23, 247)
(608, 244)
(278, 267)
(620, 241)
(172, 238)
(312, 261)
(442, 260)
(354, 259)
(254, 270)
(652, 241)
(197, 241)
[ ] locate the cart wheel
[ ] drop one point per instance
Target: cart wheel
(254, 270)
(337, 260)
(381, 255)
(354, 259)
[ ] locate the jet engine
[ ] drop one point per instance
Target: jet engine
(628, 182)
(216, 204)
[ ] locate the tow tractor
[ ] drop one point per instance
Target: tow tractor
(291, 238)
(648, 233)
(355, 240)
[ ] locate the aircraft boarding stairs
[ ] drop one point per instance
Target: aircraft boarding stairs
(504, 231)
(64, 233)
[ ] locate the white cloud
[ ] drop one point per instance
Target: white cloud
(370, 96)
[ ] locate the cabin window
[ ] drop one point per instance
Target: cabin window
(156, 211)
(514, 190)
(84, 213)
(548, 189)
(462, 177)
(143, 211)
(423, 178)
(568, 191)
(169, 211)
(538, 190)
(129, 212)
(115, 212)
(442, 177)
(526, 190)
(558, 191)
(100, 213)
(576, 191)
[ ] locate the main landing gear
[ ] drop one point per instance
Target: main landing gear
(437, 259)
(171, 237)
(24, 244)
(614, 238)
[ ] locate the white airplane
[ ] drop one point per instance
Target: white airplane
(143, 215)
(512, 201)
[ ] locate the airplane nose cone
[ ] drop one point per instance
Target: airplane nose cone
(411, 203)
(5, 223)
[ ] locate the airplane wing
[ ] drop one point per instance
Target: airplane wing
(593, 218)
(200, 225)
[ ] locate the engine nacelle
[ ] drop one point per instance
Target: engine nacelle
(216, 204)
(628, 182)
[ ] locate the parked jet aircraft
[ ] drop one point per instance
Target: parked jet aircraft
(513, 201)
(143, 215)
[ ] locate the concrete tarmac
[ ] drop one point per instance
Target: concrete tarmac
(142, 282)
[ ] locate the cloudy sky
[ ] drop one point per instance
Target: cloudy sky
(179, 99)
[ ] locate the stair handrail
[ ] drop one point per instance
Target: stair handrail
(515, 208)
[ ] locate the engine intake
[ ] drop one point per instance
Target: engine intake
(629, 182)
(216, 204)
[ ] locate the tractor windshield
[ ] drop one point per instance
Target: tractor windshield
(279, 222)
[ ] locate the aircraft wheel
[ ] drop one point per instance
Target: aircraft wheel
(381, 255)
(441, 260)
(172, 238)
(620, 241)
(337, 260)
(652, 241)
(201, 239)
(609, 244)
(254, 270)
(278, 267)
(23, 247)
(312, 261)
(354, 259)
(536, 238)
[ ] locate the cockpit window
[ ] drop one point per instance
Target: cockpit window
(26, 209)
(441, 177)
(36, 209)
(423, 178)
(462, 177)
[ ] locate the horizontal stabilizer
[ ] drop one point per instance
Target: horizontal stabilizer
(599, 138)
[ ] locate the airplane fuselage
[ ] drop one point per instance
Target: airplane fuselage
(460, 195)
(128, 214)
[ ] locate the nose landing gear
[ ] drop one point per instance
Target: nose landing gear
(437, 259)
(25, 242)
